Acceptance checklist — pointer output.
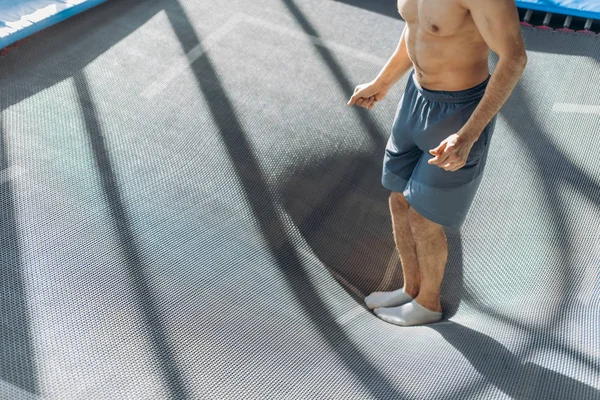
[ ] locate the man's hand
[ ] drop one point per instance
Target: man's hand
(366, 95)
(452, 153)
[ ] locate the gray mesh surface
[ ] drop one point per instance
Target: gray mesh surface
(189, 210)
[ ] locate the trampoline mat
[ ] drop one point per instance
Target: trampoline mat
(189, 210)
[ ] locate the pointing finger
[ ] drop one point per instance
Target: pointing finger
(353, 99)
(438, 150)
(439, 160)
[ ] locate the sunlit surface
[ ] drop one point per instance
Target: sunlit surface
(188, 209)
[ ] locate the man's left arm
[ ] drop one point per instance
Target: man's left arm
(498, 24)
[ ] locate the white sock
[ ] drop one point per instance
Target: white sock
(408, 314)
(387, 299)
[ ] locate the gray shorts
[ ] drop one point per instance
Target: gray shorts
(425, 118)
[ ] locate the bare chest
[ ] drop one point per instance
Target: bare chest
(437, 17)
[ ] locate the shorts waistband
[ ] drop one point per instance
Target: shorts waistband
(458, 96)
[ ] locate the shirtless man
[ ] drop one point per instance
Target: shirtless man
(436, 153)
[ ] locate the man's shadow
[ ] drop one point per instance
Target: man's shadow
(506, 372)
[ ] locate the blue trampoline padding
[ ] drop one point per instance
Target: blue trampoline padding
(575, 8)
(21, 18)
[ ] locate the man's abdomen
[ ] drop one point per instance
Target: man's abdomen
(447, 63)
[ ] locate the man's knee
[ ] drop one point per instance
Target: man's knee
(398, 202)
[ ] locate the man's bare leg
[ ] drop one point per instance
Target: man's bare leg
(432, 253)
(408, 256)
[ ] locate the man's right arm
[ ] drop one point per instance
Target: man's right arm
(366, 95)
(398, 64)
